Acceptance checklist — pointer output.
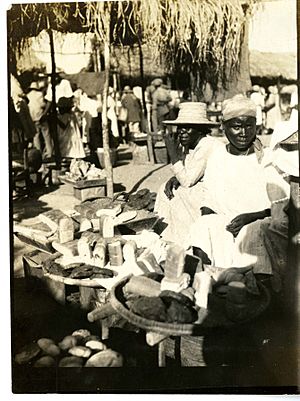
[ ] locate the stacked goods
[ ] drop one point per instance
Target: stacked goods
(142, 199)
(175, 279)
(79, 349)
(145, 298)
(175, 298)
(83, 170)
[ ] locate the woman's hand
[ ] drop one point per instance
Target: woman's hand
(172, 146)
(171, 184)
(235, 226)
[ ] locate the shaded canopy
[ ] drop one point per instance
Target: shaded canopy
(273, 65)
(201, 37)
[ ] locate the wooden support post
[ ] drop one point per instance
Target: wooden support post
(53, 117)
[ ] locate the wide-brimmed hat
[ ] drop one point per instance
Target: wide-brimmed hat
(192, 113)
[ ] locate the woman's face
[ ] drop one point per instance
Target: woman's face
(189, 135)
(240, 131)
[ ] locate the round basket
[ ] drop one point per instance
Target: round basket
(214, 317)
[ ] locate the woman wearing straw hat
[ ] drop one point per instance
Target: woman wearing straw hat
(178, 199)
(238, 198)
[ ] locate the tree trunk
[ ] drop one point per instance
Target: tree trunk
(105, 132)
(53, 118)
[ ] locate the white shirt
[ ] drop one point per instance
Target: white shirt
(63, 89)
(195, 162)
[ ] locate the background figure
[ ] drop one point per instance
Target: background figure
(148, 99)
(37, 106)
(160, 100)
(112, 117)
(272, 109)
(258, 98)
(68, 131)
(134, 110)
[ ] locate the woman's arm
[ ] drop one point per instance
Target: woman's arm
(235, 226)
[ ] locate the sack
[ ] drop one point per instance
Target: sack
(123, 114)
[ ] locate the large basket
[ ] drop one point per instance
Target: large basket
(213, 318)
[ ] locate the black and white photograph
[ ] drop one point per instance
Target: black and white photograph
(153, 197)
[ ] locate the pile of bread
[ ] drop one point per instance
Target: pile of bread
(80, 349)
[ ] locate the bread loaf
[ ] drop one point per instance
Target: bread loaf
(141, 285)
(45, 362)
(71, 362)
(106, 358)
(80, 351)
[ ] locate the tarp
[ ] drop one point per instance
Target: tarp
(273, 65)
(90, 82)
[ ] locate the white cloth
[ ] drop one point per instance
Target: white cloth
(111, 115)
(63, 89)
(70, 142)
(259, 101)
(182, 210)
(235, 185)
(36, 104)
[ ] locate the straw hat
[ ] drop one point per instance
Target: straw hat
(192, 113)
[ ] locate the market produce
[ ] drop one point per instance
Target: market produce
(45, 362)
(71, 362)
(95, 345)
(115, 253)
(105, 358)
(152, 308)
(67, 249)
(28, 353)
(68, 342)
(74, 350)
(83, 170)
(178, 312)
(141, 285)
(80, 351)
(169, 296)
(65, 230)
(84, 333)
(52, 218)
(48, 346)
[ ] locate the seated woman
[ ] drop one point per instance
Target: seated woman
(178, 199)
(238, 196)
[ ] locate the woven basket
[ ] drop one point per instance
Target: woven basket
(213, 318)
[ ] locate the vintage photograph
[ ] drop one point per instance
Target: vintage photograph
(154, 197)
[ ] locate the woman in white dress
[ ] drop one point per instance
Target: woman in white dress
(238, 196)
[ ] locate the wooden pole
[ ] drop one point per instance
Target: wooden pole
(149, 136)
(53, 117)
(105, 132)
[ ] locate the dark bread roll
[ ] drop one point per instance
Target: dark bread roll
(180, 313)
(152, 308)
(168, 296)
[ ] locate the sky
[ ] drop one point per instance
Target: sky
(273, 27)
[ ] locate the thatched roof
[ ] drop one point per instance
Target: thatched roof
(273, 65)
(199, 37)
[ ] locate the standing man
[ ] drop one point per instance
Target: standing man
(37, 107)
